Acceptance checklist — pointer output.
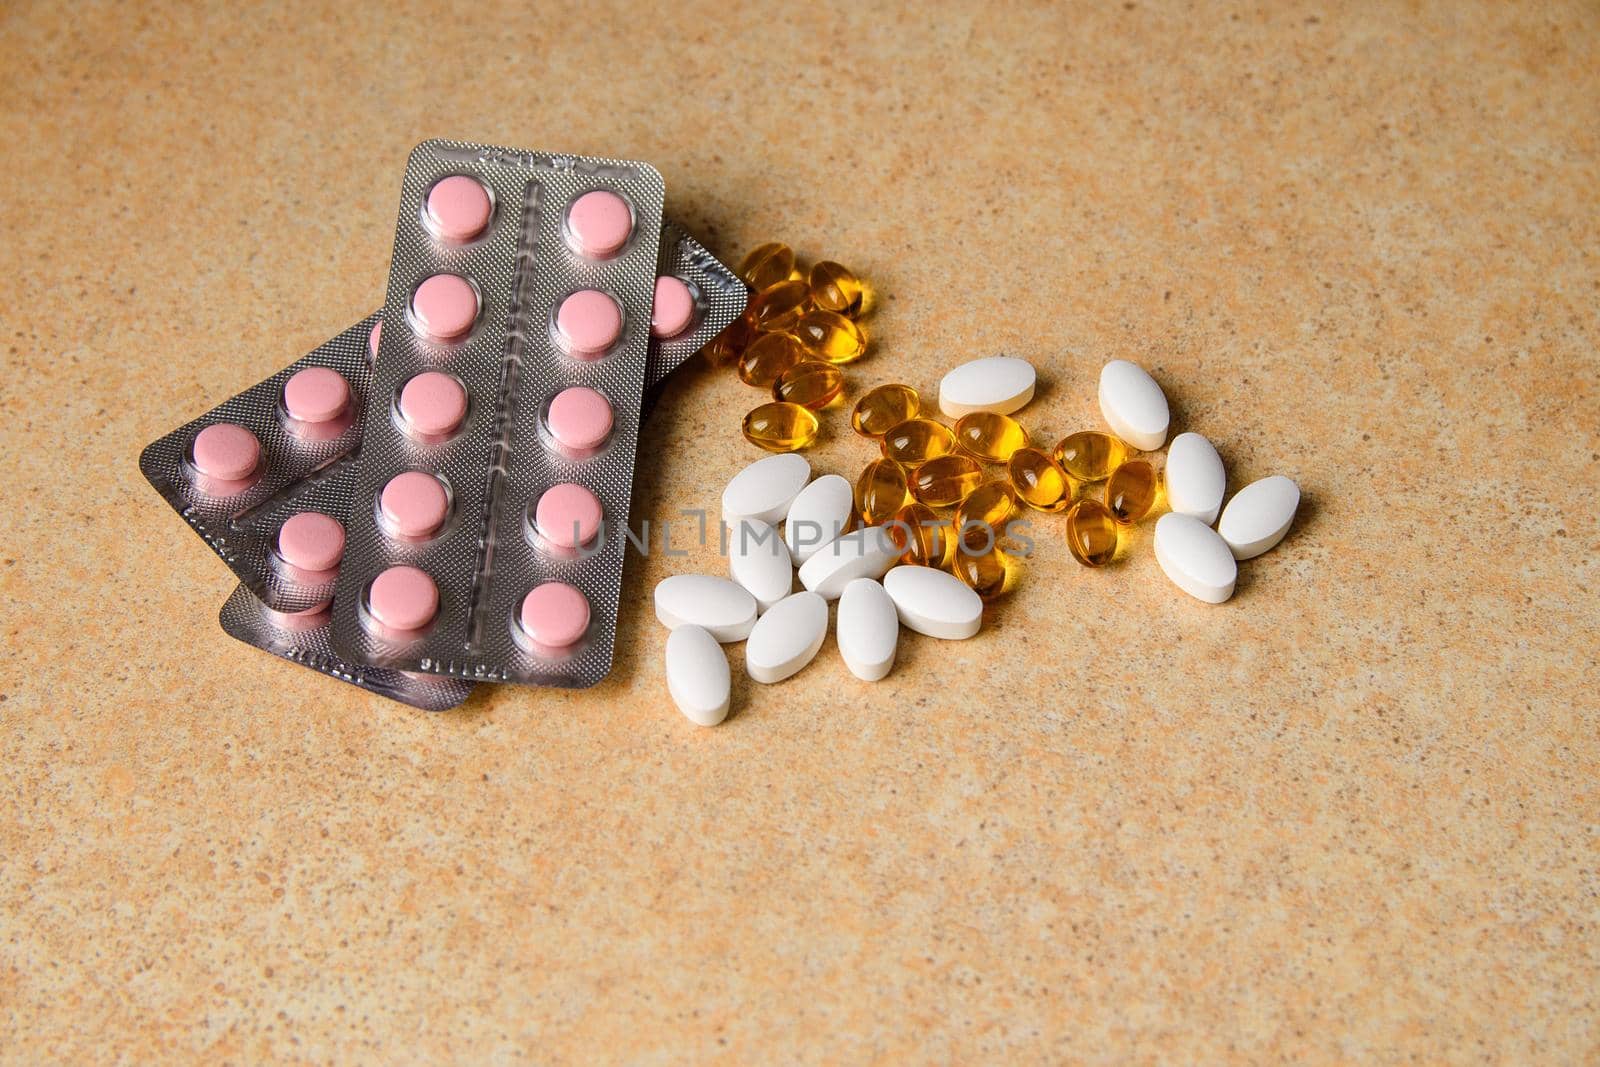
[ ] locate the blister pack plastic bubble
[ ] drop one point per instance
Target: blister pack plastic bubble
(304, 640)
(488, 545)
(719, 297)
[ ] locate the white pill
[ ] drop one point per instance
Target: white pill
(1195, 558)
(818, 515)
(1259, 515)
(697, 675)
(787, 637)
(933, 602)
(715, 604)
(868, 629)
(859, 554)
(998, 383)
(1133, 404)
(765, 489)
(1195, 478)
(759, 561)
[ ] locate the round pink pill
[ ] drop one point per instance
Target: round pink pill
(458, 208)
(588, 322)
(311, 541)
(444, 306)
(316, 394)
(554, 615)
(226, 452)
(373, 338)
(673, 309)
(433, 404)
(599, 223)
(403, 598)
(414, 505)
(567, 515)
(580, 419)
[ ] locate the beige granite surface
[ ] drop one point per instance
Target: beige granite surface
(1349, 816)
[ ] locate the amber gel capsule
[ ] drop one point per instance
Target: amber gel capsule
(881, 491)
(883, 408)
(768, 356)
(985, 572)
(809, 383)
(830, 336)
(1090, 455)
(767, 265)
(916, 441)
(982, 517)
(925, 539)
(990, 436)
(780, 427)
(946, 481)
(1091, 533)
(834, 287)
(1039, 480)
(777, 308)
(1131, 491)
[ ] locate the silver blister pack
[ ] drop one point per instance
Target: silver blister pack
(436, 575)
(301, 468)
(720, 297)
(304, 640)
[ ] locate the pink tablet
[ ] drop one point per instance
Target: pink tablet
(403, 599)
(432, 405)
(554, 616)
(588, 323)
(372, 340)
(317, 403)
(579, 419)
(599, 223)
(673, 310)
(567, 516)
(444, 307)
(457, 209)
(413, 505)
(227, 457)
(311, 542)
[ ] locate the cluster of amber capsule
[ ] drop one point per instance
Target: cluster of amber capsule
(793, 340)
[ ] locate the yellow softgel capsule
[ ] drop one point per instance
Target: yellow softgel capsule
(924, 538)
(809, 383)
(729, 345)
(986, 572)
(780, 427)
(777, 308)
(1039, 480)
(1091, 533)
(767, 265)
(1089, 455)
(990, 436)
(882, 408)
(982, 517)
(834, 287)
(1131, 491)
(830, 336)
(915, 441)
(768, 356)
(946, 481)
(881, 491)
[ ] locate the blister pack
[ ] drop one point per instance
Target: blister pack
(697, 296)
(503, 418)
(303, 639)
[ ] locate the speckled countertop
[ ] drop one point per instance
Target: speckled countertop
(1351, 815)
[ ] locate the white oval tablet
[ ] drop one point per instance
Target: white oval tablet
(998, 383)
(933, 602)
(1259, 515)
(697, 675)
(859, 554)
(1195, 558)
(715, 604)
(818, 515)
(868, 629)
(1134, 405)
(759, 560)
(765, 489)
(787, 637)
(1195, 478)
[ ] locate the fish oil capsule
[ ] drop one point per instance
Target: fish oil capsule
(946, 481)
(1091, 533)
(1131, 491)
(1039, 480)
(809, 383)
(768, 356)
(985, 573)
(834, 287)
(780, 427)
(881, 491)
(829, 335)
(982, 518)
(767, 265)
(883, 408)
(916, 441)
(777, 308)
(990, 436)
(1089, 455)
(924, 538)
(729, 345)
